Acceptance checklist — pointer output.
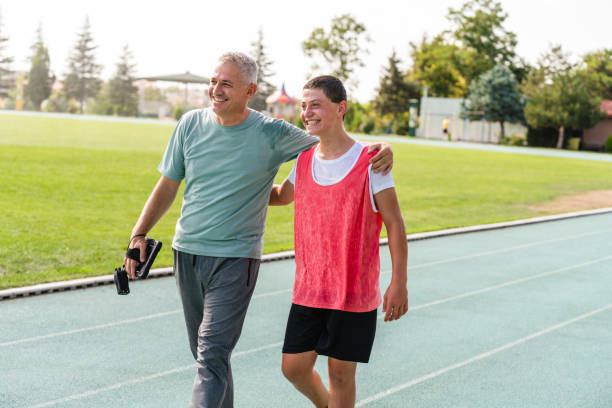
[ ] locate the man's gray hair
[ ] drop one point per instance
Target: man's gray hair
(247, 65)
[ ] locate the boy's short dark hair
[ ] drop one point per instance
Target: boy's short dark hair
(332, 87)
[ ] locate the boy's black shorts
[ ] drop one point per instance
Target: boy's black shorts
(338, 334)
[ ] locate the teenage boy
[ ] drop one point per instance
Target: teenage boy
(340, 205)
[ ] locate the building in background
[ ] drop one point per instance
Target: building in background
(189, 91)
(595, 138)
(281, 105)
(438, 114)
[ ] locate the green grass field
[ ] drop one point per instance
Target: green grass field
(71, 191)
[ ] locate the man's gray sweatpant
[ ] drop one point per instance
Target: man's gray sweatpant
(215, 293)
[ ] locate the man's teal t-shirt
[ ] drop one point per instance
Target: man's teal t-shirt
(228, 172)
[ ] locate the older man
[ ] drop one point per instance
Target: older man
(228, 156)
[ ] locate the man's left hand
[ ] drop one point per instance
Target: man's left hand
(383, 161)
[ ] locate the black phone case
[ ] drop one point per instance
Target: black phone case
(153, 247)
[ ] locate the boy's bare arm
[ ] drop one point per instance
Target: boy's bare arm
(395, 301)
(281, 194)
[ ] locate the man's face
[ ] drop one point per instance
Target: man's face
(319, 113)
(228, 91)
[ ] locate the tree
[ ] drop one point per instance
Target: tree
(341, 48)
(82, 80)
(6, 82)
(479, 25)
(40, 81)
(558, 96)
(122, 93)
(394, 91)
(264, 87)
(598, 72)
(440, 65)
(495, 96)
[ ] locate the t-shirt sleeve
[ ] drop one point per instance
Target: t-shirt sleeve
(293, 141)
(291, 176)
(380, 182)
(173, 162)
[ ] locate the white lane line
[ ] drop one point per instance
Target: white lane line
(479, 357)
(449, 260)
(118, 323)
(255, 350)
(85, 329)
(141, 379)
(111, 387)
(501, 285)
(276, 292)
(509, 249)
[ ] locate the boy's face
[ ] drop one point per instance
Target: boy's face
(319, 113)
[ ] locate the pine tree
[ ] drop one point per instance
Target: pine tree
(264, 87)
(82, 80)
(6, 82)
(123, 95)
(394, 91)
(39, 83)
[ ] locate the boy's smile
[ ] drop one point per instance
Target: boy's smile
(319, 114)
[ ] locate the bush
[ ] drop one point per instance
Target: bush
(178, 112)
(367, 126)
(608, 145)
(401, 125)
(547, 137)
(355, 115)
(514, 140)
(298, 122)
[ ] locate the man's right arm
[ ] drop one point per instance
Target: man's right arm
(159, 202)
(282, 194)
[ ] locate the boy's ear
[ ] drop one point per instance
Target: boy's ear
(342, 108)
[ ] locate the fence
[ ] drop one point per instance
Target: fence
(465, 130)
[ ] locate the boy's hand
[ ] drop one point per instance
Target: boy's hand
(395, 301)
(383, 160)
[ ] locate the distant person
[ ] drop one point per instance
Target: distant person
(445, 126)
(340, 206)
(228, 155)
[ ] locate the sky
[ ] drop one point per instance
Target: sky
(184, 35)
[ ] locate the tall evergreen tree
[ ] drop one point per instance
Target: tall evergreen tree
(123, 95)
(264, 87)
(39, 83)
(394, 91)
(6, 81)
(83, 78)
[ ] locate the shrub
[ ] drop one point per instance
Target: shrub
(608, 145)
(367, 126)
(401, 125)
(298, 122)
(178, 112)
